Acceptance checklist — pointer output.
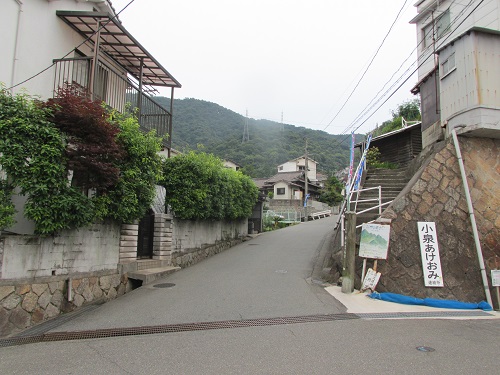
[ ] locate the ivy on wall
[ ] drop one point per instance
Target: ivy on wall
(41, 142)
(199, 187)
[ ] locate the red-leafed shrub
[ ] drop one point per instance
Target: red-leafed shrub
(91, 150)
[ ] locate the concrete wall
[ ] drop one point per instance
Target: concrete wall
(190, 234)
(487, 15)
(42, 37)
(94, 248)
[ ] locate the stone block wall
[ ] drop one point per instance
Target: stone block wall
(128, 242)
(436, 194)
(192, 241)
(162, 241)
(24, 303)
(187, 258)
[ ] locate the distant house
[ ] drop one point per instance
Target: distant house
(289, 183)
(299, 164)
(231, 164)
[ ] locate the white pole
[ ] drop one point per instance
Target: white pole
(472, 218)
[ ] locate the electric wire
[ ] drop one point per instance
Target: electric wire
(366, 110)
(442, 42)
(66, 55)
(368, 67)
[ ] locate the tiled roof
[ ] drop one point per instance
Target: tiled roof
(285, 176)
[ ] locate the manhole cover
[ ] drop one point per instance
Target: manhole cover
(164, 285)
(425, 349)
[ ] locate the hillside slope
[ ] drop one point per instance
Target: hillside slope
(215, 129)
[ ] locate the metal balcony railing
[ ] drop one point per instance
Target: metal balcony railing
(116, 89)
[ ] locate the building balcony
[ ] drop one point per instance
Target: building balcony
(117, 90)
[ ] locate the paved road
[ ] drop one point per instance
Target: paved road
(338, 347)
(268, 276)
(265, 277)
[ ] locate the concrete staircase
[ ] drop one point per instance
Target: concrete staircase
(392, 182)
(146, 271)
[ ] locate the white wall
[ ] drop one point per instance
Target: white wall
(282, 185)
(90, 249)
(191, 234)
(487, 15)
(289, 166)
(469, 94)
(293, 166)
(42, 37)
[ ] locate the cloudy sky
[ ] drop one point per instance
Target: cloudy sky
(300, 58)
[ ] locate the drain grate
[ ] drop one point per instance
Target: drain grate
(164, 285)
(170, 328)
(423, 314)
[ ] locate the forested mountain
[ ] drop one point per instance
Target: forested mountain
(214, 129)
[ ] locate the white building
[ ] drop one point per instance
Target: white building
(80, 45)
(459, 67)
(299, 165)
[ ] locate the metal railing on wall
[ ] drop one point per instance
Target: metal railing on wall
(116, 89)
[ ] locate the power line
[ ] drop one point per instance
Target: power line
(368, 67)
(365, 111)
(81, 44)
(441, 44)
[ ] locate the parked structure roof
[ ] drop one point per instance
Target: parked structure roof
(120, 45)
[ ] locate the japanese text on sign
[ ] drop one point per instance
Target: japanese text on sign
(431, 262)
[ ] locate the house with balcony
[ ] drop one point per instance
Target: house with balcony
(80, 45)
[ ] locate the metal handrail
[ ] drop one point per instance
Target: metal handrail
(116, 89)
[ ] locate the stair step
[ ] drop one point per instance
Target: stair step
(151, 274)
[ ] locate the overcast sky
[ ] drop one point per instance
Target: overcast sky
(302, 58)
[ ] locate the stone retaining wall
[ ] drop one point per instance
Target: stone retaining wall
(189, 257)
(25, 304)
(437, 194)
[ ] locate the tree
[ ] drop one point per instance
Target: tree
(409, 110)
(332, 192)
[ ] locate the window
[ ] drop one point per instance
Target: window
(442, 27)
(280, 168)
(302, 168)
(448, 65)
(280, 191)
(443, 23)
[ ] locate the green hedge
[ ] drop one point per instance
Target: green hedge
(41, 142)
(199, 187)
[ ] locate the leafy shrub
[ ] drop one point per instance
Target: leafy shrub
(40, 143)
(199, 187)
(373, 160)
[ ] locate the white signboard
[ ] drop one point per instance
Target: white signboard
(495, 277)
(374, 242)
(371, 280)
(431, 262)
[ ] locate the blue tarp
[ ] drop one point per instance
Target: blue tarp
(433, 302)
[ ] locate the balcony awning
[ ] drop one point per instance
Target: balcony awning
(118, 43)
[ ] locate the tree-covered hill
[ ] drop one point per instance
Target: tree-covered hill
(215, 129)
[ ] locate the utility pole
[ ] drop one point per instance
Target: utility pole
(306, 167)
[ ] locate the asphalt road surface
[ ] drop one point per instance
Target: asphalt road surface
(271, 276)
